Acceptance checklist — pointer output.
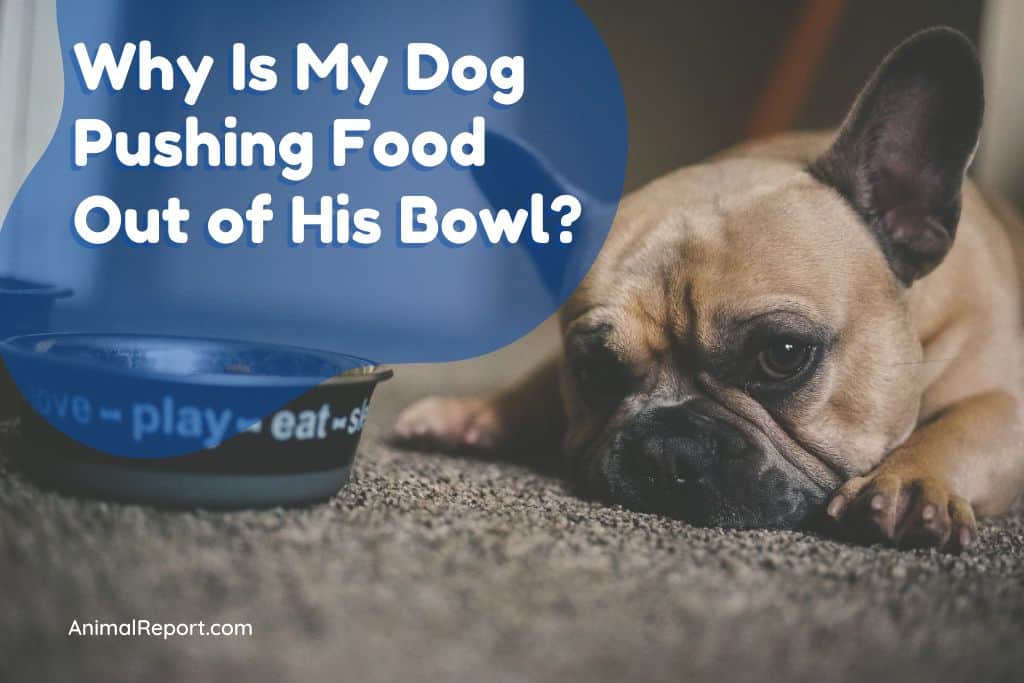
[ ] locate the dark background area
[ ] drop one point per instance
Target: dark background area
(692, 71)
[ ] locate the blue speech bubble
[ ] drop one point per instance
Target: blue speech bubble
(528, 88)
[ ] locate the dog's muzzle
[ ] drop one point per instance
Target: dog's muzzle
(686, 461)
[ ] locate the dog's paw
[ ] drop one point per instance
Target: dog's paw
(904, 509)
(449, 423)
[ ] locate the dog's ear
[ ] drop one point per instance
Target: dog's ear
(902, 152)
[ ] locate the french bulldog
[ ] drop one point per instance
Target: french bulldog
(816, 327)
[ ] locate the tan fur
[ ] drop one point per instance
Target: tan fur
(924, 393)
(905, 407)
(967, 317)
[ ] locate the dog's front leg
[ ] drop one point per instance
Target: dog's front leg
(525, 422)
(967, 460)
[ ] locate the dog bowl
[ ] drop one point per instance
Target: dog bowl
(163, 396)
(25, 307)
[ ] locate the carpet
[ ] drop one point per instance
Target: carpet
(437, 568)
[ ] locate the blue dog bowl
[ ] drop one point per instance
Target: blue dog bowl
(25, 307)
(164, 396)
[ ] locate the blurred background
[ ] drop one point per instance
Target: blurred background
(740, 69)
(736, 69)
(698, 77)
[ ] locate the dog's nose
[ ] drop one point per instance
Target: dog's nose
(673, 446)
(691, 461)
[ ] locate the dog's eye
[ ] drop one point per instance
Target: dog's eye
(597, 370)
(602, 375)
(784, 358)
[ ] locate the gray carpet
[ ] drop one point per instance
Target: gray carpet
(443, 569)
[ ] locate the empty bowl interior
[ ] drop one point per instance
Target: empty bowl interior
(189, 358)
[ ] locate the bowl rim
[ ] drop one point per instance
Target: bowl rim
(32, 288)
(373, 374)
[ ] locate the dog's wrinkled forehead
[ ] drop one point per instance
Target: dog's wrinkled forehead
(686, 265)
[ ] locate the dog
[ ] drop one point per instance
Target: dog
(815, 327)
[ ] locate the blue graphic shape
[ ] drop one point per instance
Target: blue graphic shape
(387, 301)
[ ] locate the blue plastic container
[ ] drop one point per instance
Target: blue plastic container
(130, 389)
